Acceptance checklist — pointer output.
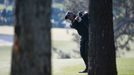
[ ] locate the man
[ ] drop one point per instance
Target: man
(80, 23)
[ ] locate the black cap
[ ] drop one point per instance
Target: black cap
(68, 14)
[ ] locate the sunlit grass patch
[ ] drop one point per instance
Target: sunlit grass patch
(125, 66)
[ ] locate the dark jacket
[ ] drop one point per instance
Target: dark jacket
(82, 26)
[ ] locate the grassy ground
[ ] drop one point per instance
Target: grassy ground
(62, 66)
(125, 67)
(71, 67)
(64, 45)
(65, 66)
(5, 57)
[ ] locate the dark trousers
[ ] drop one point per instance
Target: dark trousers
(84, 50)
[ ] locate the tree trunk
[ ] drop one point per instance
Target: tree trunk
(102, 56)
(31, 53)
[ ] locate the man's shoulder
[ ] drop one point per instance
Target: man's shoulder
(83, 14)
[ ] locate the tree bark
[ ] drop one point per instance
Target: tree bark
(102, 56)
(31, 53)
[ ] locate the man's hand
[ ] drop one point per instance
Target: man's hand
(78, 19)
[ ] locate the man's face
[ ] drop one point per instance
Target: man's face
(71, 17)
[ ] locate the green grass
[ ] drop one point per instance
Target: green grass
(64, 45)
(5, 53)
(125, 65)
(5, 57)
(72, 70)
(5, 71)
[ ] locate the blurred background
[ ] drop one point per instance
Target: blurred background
(65, 41)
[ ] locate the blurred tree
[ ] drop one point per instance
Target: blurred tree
(31, 53)
(102, 57)
(123, 22)
(76, 5)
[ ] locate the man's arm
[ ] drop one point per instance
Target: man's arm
(85, 19)
(76, 22)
